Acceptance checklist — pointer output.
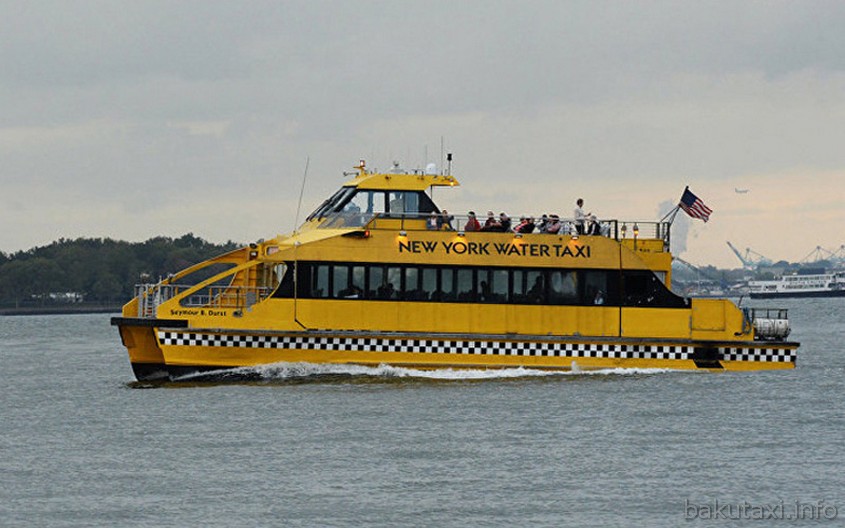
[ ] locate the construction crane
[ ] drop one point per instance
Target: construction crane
(706, 284)
(751, 260)
(817, 255)
(696, 269)
(839, 255)
(821, 254)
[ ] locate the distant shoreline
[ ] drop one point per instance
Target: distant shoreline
(62, 309)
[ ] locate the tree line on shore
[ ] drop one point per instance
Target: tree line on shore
(103, 271)
(95, 270)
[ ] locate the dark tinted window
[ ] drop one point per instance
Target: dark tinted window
(479, 285)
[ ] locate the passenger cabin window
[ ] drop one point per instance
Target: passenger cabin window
(428, 286)
(563, 287)
(340, 284)
(600, 288)
(499, 285)
(643, 288)
(536, 288)
(359, 280)
(320, 281)
(377, 282)
(472, 284)
(447, 285)
(465, 286)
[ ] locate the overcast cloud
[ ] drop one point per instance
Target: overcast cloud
(131, 119)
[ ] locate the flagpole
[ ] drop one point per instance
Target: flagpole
(672, 213)
(667, 236)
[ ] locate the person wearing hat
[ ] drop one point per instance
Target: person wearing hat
(544, 222)
(432, 222)
(593, 226)
(472, 223)
(444, 220)
(504, 222)
(491, 224)
(553, 227)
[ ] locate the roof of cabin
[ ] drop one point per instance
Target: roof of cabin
(400, 182)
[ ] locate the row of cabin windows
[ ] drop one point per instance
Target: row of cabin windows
(478, 285)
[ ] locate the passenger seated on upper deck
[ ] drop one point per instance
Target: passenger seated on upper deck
(504, 222)
(491, 224)
(472, 223)
(433, 222)
(593, 226)
(554, 225)
(444, 221)
(526, 225)
(543, 223)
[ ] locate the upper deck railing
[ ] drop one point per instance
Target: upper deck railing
(151, 296)
(615, 229)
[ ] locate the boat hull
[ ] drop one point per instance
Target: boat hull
(798, 294)
(188, 352)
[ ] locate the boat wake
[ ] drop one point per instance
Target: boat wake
(306, 372)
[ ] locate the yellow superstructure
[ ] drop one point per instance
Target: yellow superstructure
(378, 274)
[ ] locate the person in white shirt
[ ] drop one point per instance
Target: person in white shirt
(580, 217)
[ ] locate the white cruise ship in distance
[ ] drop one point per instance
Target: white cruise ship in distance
(806, 283)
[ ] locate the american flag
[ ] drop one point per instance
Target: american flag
(693, 206)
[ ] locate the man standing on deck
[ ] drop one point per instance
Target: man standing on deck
(580, 217)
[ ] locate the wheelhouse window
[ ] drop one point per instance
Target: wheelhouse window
(333, 203)
(410, 203)
(351, 207)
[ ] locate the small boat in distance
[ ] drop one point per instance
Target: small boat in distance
(804, 283)
(379, 274)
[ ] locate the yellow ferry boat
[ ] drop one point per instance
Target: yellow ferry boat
(378, 274)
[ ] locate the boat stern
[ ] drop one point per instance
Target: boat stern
(139, 336)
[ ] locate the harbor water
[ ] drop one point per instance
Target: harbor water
(85, 445)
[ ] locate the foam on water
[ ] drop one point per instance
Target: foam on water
(282, 371)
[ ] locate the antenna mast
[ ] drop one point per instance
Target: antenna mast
(296, 247)
(301, 193)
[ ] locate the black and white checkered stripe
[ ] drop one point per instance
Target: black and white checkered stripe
(491, 348)
(767, 355)
(446, 346)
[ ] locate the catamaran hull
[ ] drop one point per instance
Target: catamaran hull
(181, 352)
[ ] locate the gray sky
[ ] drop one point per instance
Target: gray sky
(131, 119)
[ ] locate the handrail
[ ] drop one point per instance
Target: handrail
(616, 229)
(151, 296)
